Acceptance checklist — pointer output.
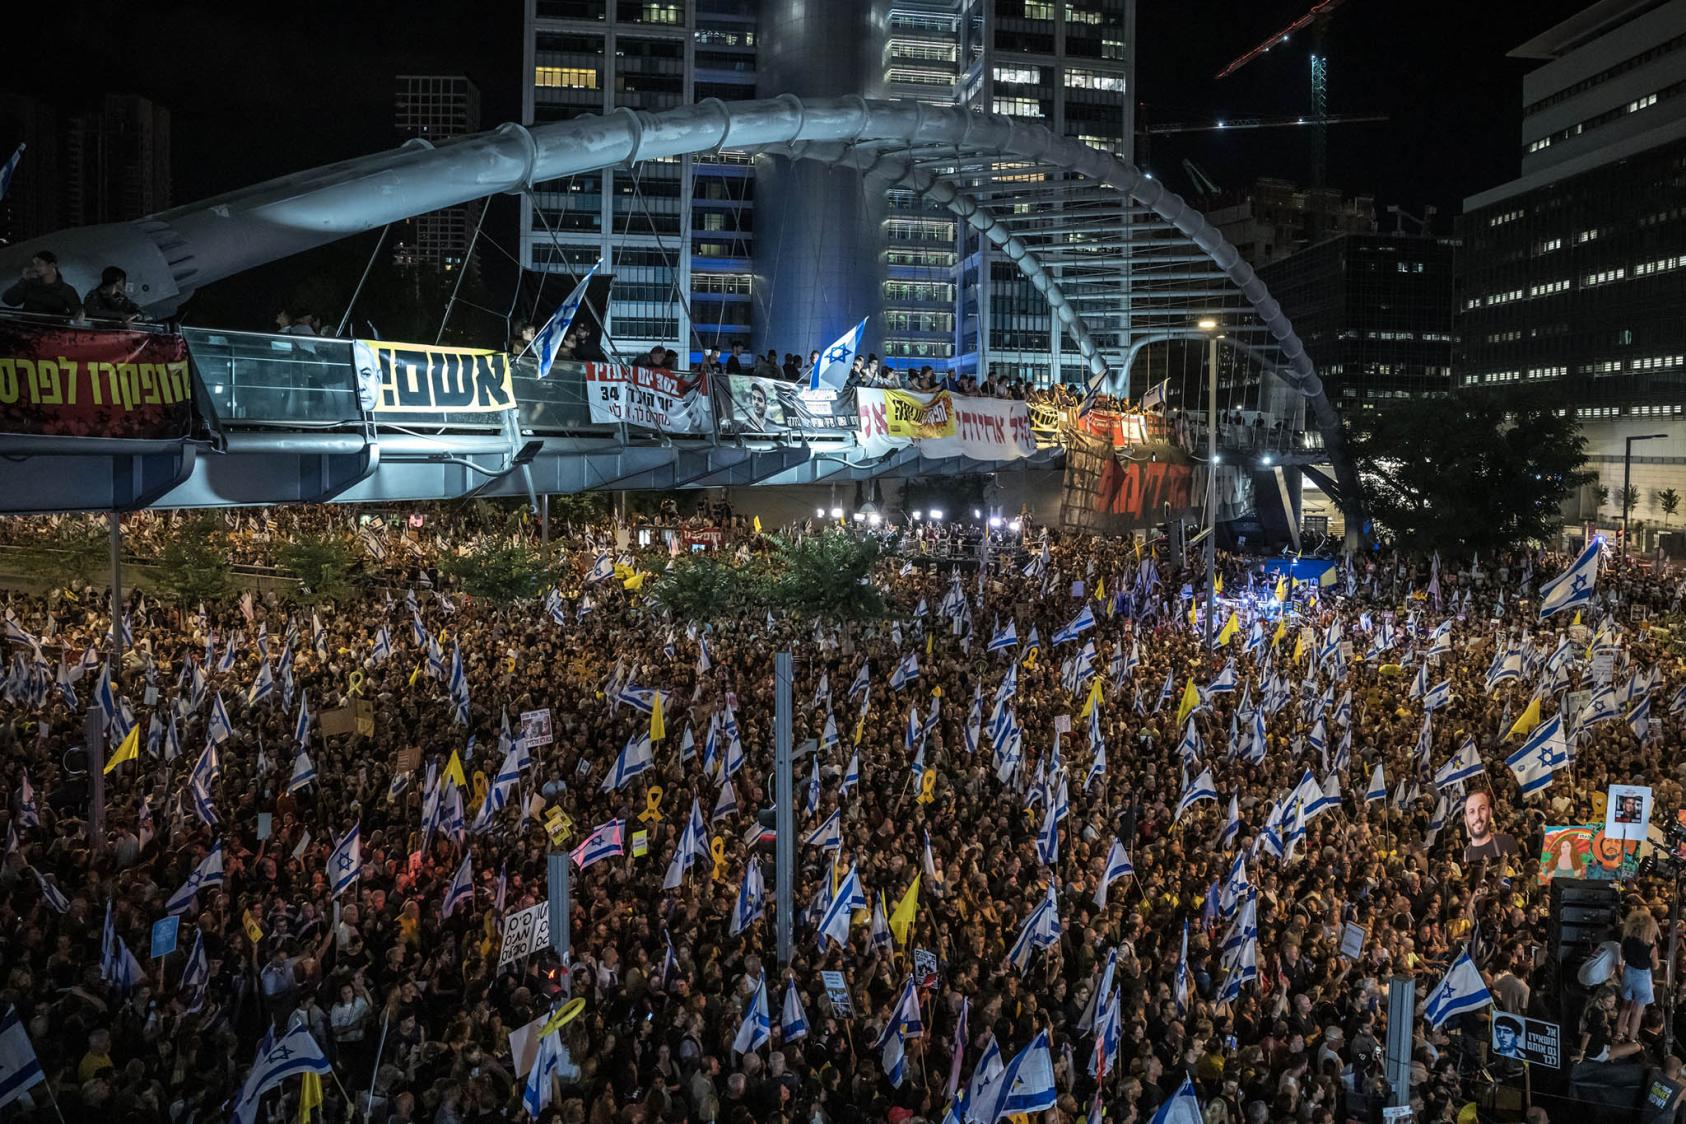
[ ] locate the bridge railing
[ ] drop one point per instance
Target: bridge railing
(258, 379)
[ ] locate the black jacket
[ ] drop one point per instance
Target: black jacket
(49, 298)
(98, 306)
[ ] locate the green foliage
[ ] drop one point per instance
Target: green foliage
(1603, 494)
(1669, 500)
(323, 565)
(74, 552)
(709, 586)
(193, 566)
(503, 572)
(577, 507)
(1629, 497)
(827, 575)
(1472, 472)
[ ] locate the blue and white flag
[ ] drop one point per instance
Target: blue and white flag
(834, 922)
(1201, 788)
(346, 862)
(906, 1021)
(636, 756)
(689, 848)
(832, 370)
(793, 1021)
(1183, 1107)
(1538, 759)
(1041, 929)
(863, 680)
(1077, 626)
(547, 1063)
(218, 728)
(726, 804)
(1232, 825)
(461, 890)
(1179, 981)
(205, 876)
(1575, 585)
(906, 672)
(1461, 992)
(1155, 395)
(1462, 765)
(606, 841)
(752, 898)
(7, 171)
(1005, 638)
(549, 338)
(301, 728)
(292, 1055)
(1025, 1087)
(1117, 866)
(829, 835)
(1377, 788)
(51, 893)
(1437, 696)
(1639, 718)
(304, 772)
(262, 687)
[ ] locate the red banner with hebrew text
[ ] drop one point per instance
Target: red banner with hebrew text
(64, 381)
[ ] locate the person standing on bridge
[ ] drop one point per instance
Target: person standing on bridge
(43, 290)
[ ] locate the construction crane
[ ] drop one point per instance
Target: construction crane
(1236, 123)
(1316, 18)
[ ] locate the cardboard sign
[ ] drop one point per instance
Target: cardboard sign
(408, 760)
(1526, 1040)
(1352, 940)
(1627, 812)
(925, 967)
(164, 933)
(356, 717)
(1603, 665)
(838, 992)
(640, 843)
(1062, 723)
(525, 933)
(536, 728)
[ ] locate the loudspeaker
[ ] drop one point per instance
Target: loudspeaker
(1583, 912)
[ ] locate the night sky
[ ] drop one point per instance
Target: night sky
(307, 83)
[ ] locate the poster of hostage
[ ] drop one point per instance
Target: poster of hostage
(673, 401)
(758, 405)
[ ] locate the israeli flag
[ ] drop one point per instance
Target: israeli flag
(1155, 395)
(301, 728)
(549, 338)
(834, 923)
(303, 772)
(1025, 1087)
(1232, 826)
(1005, 638)
(1203, 787)
(218, 728)
(1225, 682)
(1575, 585)
(863, 680)
(461, 891)
(1639, 718)
(636, 756)
(1463, 764)
(206, 875)
(547, 1062)
(346, 862)
(1538, 759)
(1041, 929)
(689, 848)
(1377, 789)
(793, 1022)
(726, 804)
(292, 1055)
(1437, 696)
(752, 898)
(906, 672)
(851, 773)
(832, 371)
(1048, 839)
(1081, 623)
(829, 835)
(1182, 1108)
(606, 841)
(1461, 992)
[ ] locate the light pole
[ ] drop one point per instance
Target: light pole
(1210, 327)
(1627, 472)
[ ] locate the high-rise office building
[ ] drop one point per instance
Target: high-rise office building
(1375, 310)
(1573, 274)
(437, 107)
(31, 205)
(115, 161)
(719, 247)
(1273, 218)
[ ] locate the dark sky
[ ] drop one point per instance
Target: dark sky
(256, 92)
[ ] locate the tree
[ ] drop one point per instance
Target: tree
(193, 566)
(504, 572)
(1602, 491)
(706, 586)
(827, 575)
(1669, 500)
(1473, 472)
(323, 565)
(1629, 497)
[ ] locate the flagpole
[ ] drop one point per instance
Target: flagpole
(374, 1076)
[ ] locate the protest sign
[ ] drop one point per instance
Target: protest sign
(525, 933)
(651, 398)
(164, 932)
(535, 728)
(1627, 812)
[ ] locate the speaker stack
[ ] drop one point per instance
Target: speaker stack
(1584, 913)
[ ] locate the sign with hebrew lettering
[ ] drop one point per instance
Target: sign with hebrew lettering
(63, 381)
(413, 378)
(944, 424)
(649, 397)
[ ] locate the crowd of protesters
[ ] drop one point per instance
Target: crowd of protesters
(416, 1009)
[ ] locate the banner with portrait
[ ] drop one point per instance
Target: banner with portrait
(943, 424)
(1585, 851)
(649, 397)
(63, 381)
(414, 378)
(750, 404)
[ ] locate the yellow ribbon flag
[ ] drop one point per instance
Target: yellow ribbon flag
(254, 931)
(1281, 631)
(1282, 589)
(1577, 619)
(1093, 700)
(658, 721)
(128, 751)
(310, 1097)
(928, 645)
(1530, 718)
(1191, 699)
(1100, 589)
(902, 919)
(1299, 648)
(1217, 583)
(415, 675)
(635, 582)
(1193, 620)
(453, 771)
(758, 524)
(1230, 628)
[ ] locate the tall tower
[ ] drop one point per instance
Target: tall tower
(116, 161)
(437, 107)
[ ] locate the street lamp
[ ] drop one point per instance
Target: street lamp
(1209, 325)
(1627, 471)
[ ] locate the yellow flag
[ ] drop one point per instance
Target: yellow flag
(1577, 619)
(1217, 583)
(128, 751)
(415, 675)
(902, 919)
(310, 1096)
(1093, 700)
(453, 771)
(1193, 619)
(1282, 589)
(1230, 628)
(635, 582)
(1299, 648)
(1530, 718)
(254, 931)
(928, 645)
(758, 524)
(1191, 699)
(1281, 631)
(860, 724)
(658, 721)
(1100, 589)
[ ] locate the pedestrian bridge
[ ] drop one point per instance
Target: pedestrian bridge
(302, 419)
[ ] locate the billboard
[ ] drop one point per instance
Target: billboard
(63, 381)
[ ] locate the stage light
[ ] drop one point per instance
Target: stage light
(936, 513)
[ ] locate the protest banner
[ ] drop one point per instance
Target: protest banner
(943, 425)
(750, 404)
(525, 933)
(535, 728)
(63, 381)
(671, 401)
(1585, 851)
(413, 378)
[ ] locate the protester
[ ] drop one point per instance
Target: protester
(42, 290)
(108, 300)
(393, 961)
